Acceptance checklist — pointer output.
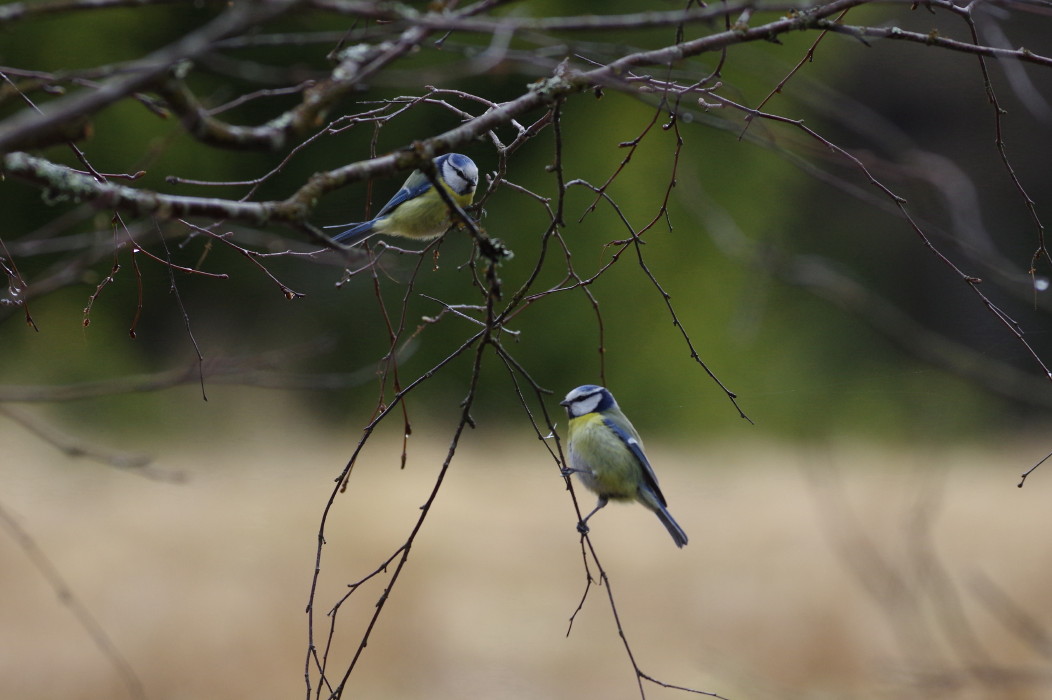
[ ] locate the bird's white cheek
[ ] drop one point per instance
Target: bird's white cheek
(586, 405)
(460, 185)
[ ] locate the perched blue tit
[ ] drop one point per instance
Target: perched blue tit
(418, 210)
(605, 451)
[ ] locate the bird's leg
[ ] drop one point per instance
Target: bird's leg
(582, 526)
(567, 471)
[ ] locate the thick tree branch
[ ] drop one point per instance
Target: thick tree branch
(33, 127)
(79, 187)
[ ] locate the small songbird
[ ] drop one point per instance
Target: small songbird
(418, 210)
(605, 451)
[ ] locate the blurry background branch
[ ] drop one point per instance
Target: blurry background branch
(262, 370)
(833, 283)
(74, 447)
(928, 609)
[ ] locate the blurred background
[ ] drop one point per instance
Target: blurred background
(860, 535)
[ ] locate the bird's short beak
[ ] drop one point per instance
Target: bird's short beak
(564, 403)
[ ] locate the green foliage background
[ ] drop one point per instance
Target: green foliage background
(801, 367)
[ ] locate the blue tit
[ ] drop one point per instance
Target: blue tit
(605, 451)
(417, 210)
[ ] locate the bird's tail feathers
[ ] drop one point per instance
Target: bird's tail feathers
(657, 504)
(672, 526)
(355, 234)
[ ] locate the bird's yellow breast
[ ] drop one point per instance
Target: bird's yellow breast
(423, 217)
(606, 465)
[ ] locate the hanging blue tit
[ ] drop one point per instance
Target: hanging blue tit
(417, 210)
(605, 451)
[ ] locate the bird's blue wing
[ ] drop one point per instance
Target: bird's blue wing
(632, 443)
(414, 186)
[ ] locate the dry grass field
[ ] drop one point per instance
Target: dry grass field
(842, 571)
